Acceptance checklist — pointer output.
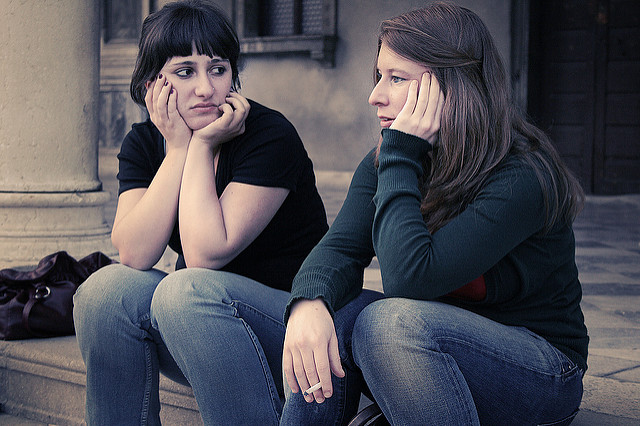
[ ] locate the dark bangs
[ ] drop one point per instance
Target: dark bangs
(174, 31)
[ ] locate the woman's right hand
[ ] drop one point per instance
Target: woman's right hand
(310, 352)
(161, 101)
(422, 112)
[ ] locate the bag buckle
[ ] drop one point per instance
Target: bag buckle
(42, 292)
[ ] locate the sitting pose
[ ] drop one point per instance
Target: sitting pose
(228, 185)
(469, 211)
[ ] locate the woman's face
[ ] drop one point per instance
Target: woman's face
(202, 84)
(390, 93)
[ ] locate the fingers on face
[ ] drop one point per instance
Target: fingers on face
(432, 96)
(148, 97)
(424, 94)
(412, 94)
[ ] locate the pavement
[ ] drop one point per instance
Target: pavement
(607, 235)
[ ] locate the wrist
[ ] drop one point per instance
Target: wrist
(397, 141)
(307, 304)
(202, 146)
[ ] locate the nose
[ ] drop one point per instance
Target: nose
(377, 96)
(204, 86)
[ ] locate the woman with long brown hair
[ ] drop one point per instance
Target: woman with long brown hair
(469, 211)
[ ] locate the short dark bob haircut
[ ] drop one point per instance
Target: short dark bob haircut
(173, 31)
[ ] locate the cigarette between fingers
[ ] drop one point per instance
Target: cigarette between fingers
(312, 389)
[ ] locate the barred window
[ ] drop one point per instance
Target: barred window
(288, 26)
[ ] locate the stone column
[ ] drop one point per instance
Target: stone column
(50, 196)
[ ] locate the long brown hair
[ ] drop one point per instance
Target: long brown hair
(480, 125)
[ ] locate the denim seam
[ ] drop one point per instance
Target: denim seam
(234, 303)
(144, 415)
(268, 377)
(497, 356)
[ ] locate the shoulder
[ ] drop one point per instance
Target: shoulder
(516, 180)
(268, 129)
(145, 129)
(261, 116)
(144, 133)
(143, 140)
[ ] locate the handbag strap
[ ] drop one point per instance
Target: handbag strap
(40, 293)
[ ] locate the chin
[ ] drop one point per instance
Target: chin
(201, 122)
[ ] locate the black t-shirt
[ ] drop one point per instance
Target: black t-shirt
(269, 153)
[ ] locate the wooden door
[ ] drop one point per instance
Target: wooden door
(584, 87)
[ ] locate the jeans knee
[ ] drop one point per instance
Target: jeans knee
(94, 299)
(113, 294)
(372, 331)
(387, 326)
(180, 291)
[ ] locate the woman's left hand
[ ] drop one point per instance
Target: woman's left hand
(229, 125)
(310, 352)
(421, 114)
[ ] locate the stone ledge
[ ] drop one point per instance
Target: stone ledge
(44, 380)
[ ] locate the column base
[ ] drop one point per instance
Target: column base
(33, 225)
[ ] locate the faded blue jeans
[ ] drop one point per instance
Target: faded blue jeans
(343, 404)
(219, 332)
(430, 363)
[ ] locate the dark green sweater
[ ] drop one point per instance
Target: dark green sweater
(531, 278)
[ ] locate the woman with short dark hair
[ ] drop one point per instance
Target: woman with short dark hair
(227, 184)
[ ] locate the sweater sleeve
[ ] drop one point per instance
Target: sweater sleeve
(416, 264)
(334, 270)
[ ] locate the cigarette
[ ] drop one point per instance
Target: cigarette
(312, 389)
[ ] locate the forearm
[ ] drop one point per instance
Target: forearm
(141, 232)
(203, 233)
(334, 269)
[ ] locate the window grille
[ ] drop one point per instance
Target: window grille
(288, 26)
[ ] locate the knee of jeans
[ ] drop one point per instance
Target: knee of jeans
(372, 328)
(389, 324)
(99, 296)
(177, 293)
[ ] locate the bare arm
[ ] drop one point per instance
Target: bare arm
(145, 217)
(215, 230)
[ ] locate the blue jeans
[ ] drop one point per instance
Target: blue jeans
(343, 405)
(218, 332)
(430, 363)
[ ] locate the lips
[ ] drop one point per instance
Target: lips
(385, 121)
(204, 106)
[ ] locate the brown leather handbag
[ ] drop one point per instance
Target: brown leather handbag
(39, 302)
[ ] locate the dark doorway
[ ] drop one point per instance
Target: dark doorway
(584, 87)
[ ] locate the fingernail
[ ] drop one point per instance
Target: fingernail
(159, 76)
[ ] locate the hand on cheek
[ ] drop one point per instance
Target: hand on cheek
(230, 124)
(162, 103)
(422, 111)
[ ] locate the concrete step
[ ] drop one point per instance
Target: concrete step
(44, 380)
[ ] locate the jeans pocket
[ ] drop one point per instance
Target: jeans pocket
(567, 420)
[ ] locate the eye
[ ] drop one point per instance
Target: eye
(217, 70)
(184, 72)
(395, 79)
